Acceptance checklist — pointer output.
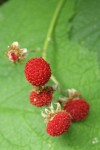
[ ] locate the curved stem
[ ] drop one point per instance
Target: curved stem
(54, 80)
(60, 88)
(51, 28)
(49, 35)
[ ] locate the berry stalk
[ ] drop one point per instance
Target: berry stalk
(49, 35)
(52, 26)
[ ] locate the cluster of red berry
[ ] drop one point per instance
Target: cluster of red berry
(69, 109)
(38, 73)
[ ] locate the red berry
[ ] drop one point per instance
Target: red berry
(37, 71)
(78, 109)
(42, 98)
(59, 124)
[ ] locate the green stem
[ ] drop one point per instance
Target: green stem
(49, 35)
(51, 28)
(60, 88)
(54, 80)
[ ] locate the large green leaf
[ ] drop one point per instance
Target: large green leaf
(21, 125)
(86, 25)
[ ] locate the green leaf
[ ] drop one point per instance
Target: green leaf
(86, 25)
(76, 67)
(21, 125)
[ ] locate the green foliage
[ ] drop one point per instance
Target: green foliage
(85, 25)
(74, 65)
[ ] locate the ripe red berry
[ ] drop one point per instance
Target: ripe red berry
(42, 98)
(59, 124)
(58, 121)
(78, 109)
(37, 71)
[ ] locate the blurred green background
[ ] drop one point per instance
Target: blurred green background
(74, 55)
